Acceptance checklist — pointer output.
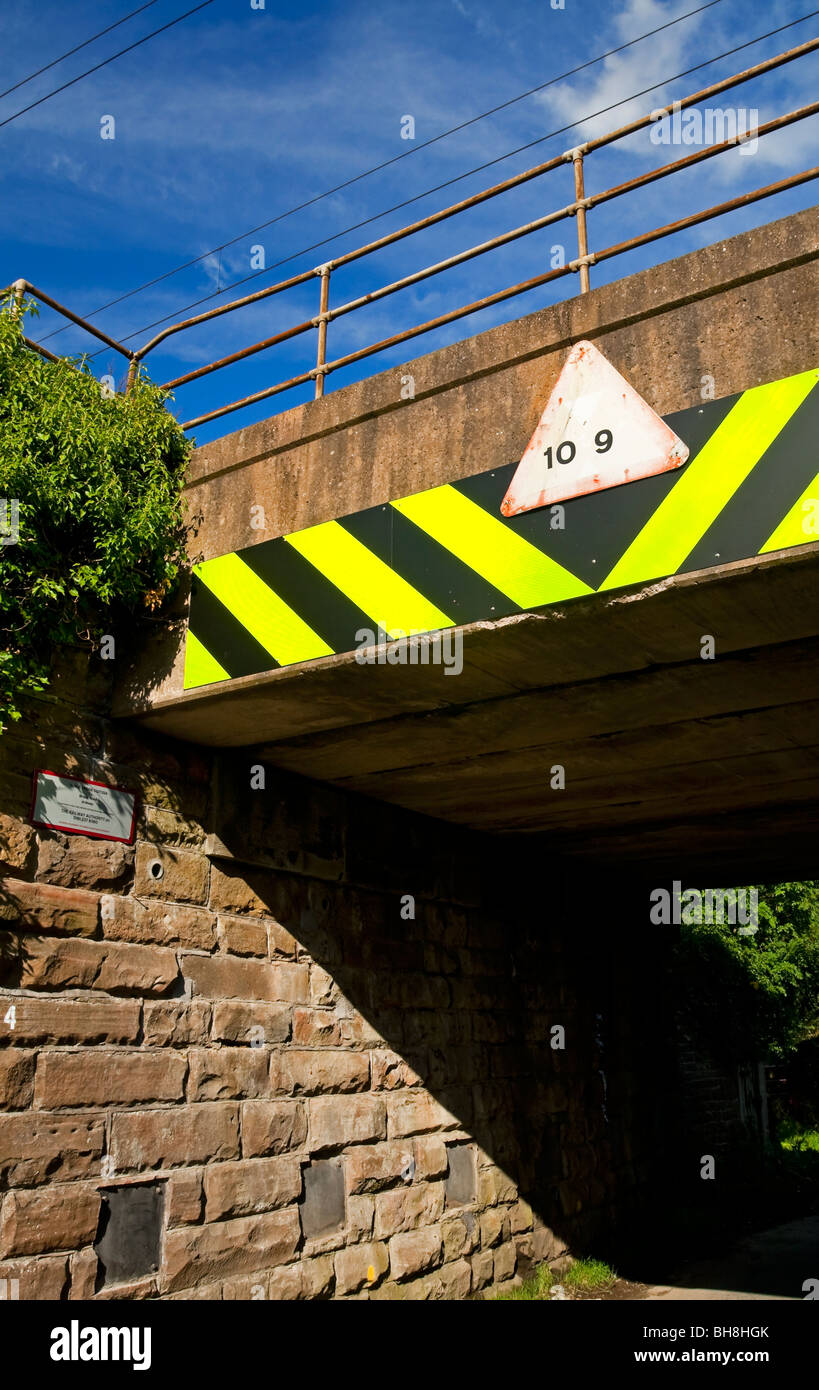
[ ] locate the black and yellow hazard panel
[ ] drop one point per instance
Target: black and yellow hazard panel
(446, 556)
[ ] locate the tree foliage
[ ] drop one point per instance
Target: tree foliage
(755, 995)
(97, 478)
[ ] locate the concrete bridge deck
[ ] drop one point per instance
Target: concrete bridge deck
(666, 755)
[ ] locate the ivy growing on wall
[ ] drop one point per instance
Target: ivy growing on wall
(93, 481)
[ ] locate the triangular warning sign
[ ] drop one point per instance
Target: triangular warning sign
(596, 432)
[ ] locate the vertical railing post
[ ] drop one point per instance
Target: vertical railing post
(133, 367)
(19, 291)
(321, 354)
(576, 157)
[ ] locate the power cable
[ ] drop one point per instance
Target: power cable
(71, 51)
(105, 62)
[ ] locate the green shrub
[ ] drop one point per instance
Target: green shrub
(98, 479)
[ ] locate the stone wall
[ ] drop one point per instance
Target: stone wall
(318, 1040)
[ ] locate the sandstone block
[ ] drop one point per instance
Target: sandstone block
(59, 1217)
(336, 1121)
(111, 1078)
(53, 963)
(318, 1072)
(174, 1137)
(272, 1127)
(39, 1020)
(239, 1022)
(240, 936)
(43, 1277)
(250, 1186)
(183, 1198)
(370, 1168)
(195, 1254)
(46, 908)
(419, 1204)
(360, 1266)
(316, 1028)
(505, 1262)
(183, 878)
(222, 1073)
(82, 1269)
(417, 1114)
(79, 861)
(228, 978)
(172, 1024)
(16, 1079)
(36, 1148)
(390, 1072)
(17, 843)
(157, 923)
(414, 1252)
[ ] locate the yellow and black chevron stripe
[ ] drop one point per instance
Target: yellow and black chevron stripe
(446, 556)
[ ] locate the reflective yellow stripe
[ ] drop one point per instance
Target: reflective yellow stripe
(801, 525)
(388, 599)
(518, 569)
(271, 621)
(200, 667)
(710, 480)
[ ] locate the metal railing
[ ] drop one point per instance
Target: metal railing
(578, 209)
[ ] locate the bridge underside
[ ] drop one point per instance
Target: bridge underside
(700, 766)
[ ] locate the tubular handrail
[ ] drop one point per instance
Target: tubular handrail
(578, 208)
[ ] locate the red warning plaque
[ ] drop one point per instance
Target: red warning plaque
(596, 432)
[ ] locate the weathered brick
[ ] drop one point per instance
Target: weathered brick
(360, 1266)
(413, 1252)
(280, 942)
(111, 1078)
(222, 1073)
(303, 1072)
(172, 1137)
(405, 1208)
(360, 1218)
(495, 1186)
(54, 963)
(316, 1028)
(431, 1158)
(239, 1022)
(250, 1186)
(195, 1254)
(183, 1197)
(43, 1277)
(78, 861)
(505, 1262)
(83, 1268)
(317, 1276)
(16, 1079)
(171, 1024)
(17, 843)
(494, 1226)
(459, 1235)
(36, 1148)
(369, 1168)
(59, 1217)
(390, 1072)
(157, 923)
(339, 1120)
(272, 1127)
(227, 978)
(239, 936)
(417, 1114)
(232, 892)
(184, 877)
(39, 1020)
(72, 911)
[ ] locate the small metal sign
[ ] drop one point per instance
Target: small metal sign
(78, 806)
(596, 432)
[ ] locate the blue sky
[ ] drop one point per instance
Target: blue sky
(236, 115)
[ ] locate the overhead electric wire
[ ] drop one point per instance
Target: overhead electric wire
(105, 62)
(215, 294)
(442, 135)
(72, 51)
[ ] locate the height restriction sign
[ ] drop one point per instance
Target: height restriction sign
(596, 432)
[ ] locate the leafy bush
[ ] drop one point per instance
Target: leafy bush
(755, 995)
(98, 481)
